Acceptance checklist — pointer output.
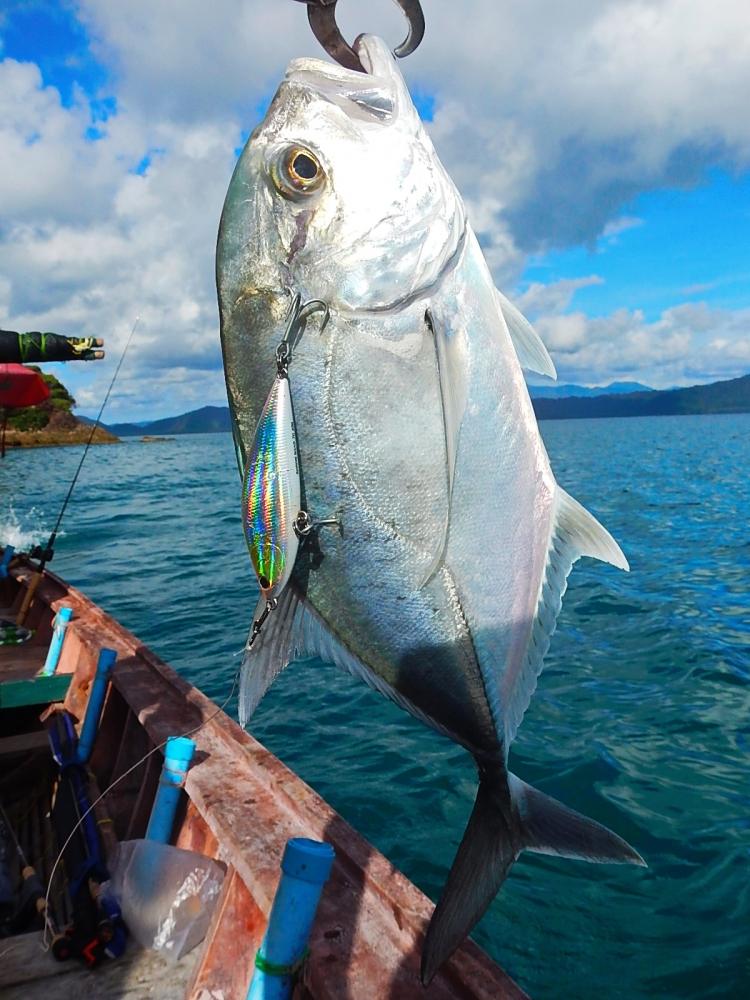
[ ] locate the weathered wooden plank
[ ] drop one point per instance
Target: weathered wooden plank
(29, 973)
(36, 691)
(23, 662)
(23, 961)
(227, 954)
(23, 743)
(194, 835)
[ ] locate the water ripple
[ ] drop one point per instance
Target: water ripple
(640, 719)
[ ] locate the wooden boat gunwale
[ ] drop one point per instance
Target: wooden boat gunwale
(242, 805)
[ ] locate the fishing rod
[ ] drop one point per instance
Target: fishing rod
(33, 896)
(45, 555)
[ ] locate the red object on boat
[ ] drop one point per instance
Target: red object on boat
(21, 386)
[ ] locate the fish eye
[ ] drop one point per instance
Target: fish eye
(298, 171)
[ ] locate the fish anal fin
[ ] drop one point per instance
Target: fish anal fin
(271, 651)
(532, 354)
(294, 631)
(576, 533)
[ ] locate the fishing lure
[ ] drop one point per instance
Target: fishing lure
(272, 517)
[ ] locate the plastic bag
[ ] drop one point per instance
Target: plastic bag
(167, 895)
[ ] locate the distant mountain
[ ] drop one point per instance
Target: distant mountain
(555, 391)
(732, 396)
(208, 419)
(610, 401)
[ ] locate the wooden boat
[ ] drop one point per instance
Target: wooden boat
(241, 805)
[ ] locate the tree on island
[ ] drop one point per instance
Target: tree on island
(55, 413)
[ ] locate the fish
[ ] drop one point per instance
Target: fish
(415, 430)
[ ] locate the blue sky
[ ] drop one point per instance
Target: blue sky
(677, 245)
(616, 210)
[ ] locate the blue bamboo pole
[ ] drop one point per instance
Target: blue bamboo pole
(104, 666)
(62, 618)
(305, 868)
(177, 756)
(5, 560)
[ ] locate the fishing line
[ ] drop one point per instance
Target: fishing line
(45, 943)
(46, 555)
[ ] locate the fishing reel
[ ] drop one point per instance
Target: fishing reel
(42, 554)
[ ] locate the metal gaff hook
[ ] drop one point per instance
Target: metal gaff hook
(322, 17)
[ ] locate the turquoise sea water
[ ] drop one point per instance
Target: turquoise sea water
(641, 719)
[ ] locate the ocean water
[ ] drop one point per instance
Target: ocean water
(641, 718)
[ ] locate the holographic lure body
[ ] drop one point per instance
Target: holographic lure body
(271, 493)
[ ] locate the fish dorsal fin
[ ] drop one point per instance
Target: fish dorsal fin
(294, 631)
(576, 533)
(532, 354)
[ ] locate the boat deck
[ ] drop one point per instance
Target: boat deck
(27, 971)
(241, 806)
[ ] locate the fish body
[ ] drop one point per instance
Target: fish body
(416, 430)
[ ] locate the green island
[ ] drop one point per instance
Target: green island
(52, 422)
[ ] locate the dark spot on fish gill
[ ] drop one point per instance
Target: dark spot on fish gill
(300, 237)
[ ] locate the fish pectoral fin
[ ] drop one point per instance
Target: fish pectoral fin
(532, 354)
(549, 827)
(509, 816)
(452, 362)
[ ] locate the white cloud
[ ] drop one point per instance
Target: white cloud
(687, 344)
(554, 297)
(548, 116)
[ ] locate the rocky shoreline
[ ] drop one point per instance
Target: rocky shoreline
(57, 437)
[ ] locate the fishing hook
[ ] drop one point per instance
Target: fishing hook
(259, 622)
(322, 17)
(296, 318)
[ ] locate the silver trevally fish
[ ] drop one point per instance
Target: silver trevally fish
(416, 431)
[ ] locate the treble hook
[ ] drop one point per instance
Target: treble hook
(322, 17)
(296, 318)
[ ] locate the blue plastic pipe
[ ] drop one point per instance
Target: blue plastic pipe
(104, 666)
(305, 868)
(62, 618)
(5, 561)
(177, 756)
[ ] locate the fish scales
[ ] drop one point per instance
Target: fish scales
(416, 431)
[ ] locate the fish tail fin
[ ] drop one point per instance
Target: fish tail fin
(508, 816)
(549, 827)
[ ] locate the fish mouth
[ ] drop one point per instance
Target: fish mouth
(377, 91)
(369, 49)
